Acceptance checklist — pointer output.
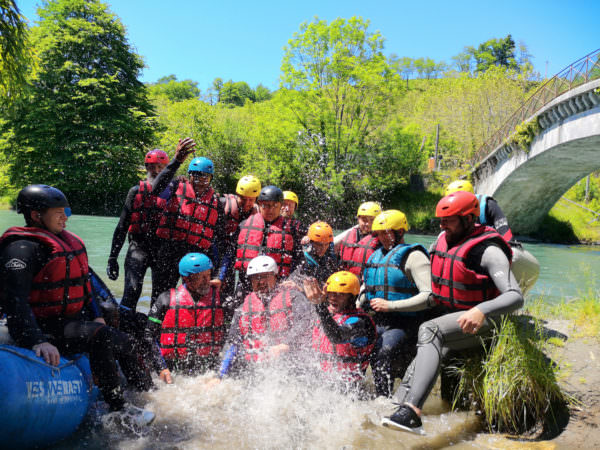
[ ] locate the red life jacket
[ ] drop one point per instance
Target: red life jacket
(62, 287)
(232, 214)
(258, 324)
(145, 211)
(190, 219)
(453, 284)
(348, 244)
(279, 243)
(192, 328)
(344, 358)
(359, 253)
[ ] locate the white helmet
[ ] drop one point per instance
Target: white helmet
(262, 264)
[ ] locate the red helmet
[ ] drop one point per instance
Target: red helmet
(156, 156)
(460, 203)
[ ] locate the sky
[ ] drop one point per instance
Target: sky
(243, 40)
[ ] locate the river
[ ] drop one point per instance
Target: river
(276, 412)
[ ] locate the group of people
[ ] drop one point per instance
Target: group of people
(258, 287)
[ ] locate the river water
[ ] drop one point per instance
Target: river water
(274, 410)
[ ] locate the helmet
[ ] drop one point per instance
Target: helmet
(262, 264)
(39, 197)
(248, 186)
(194, 263)
(201, 164)
(320, 232)
(391, 219)
(289, 195)
(459, 203)
(459, 185)
(369, 209)
(344, 282)
(270, 194)
(156, 156)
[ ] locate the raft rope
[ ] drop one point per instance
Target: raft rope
(41, 362)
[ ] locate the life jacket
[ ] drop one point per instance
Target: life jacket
(190, 219)
(350, 361)
(347, 246)
(62, 287)
(191, 328)
(483, 218)
(232, 214)
(453, 284)
(359, 253)
(258, 323)
(278, 243)
(145, 211)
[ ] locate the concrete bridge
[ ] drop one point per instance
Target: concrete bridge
(566, 148)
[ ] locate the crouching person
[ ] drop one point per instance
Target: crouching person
(188, 320)
(344, 336)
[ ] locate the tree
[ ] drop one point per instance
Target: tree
(236, 94)
(174, 90)
(494, 52)
(14, 50)
(262, 93)
(86, 121)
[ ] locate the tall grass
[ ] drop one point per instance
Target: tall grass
(512, 383)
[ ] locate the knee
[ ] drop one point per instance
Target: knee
(428, 332)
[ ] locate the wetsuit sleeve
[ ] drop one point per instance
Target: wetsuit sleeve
(163, 179)
(20, 261)
(123, 226)
(418, 270)
(156, 316)
(495, 263)
(496, 218)
(357, 330)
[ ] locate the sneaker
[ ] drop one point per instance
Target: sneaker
(404, 419)
(129, 418)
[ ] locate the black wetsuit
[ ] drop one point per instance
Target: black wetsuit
(313, 266)
(142, 252)
(69, 334)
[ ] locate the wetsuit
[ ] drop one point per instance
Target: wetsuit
(20, 261)
(171, 251)
(443, 334)
(141, 254)
(313, 266)
(492, 215)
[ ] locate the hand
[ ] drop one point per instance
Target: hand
(216, 283)
(313, 291)
(305, 240)
(289, 284)
(470, 322)
(165, 375)
(184, 148)
(47, 351)
(100, 320)
(380, 305)
(112, 269)
(276, 350)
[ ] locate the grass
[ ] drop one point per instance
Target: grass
(580, 221)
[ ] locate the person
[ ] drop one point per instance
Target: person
(267, 232)
(188, 321)
(472, 285)
(237, 208)
(319, 259)
(356, 245)
(48, 303)
(525, 266)
(396, 275)
(343, 336)
(273, 322)
(193, 220)
(288, 209)
(138, 221)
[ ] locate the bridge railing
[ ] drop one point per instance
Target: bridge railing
(578, 73)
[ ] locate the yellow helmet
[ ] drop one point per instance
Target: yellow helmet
(289, 195)
(344, 282)
(248, 186)
(320, 232)
(369, 209)
(391, 219)
(459, 185)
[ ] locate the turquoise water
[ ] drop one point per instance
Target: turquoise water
(565, 269)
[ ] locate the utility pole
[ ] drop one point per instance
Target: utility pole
(437, 141)
(587, 189)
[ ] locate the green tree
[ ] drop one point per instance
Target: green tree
(174, 90)
(15, 54)
(262, 93)
(236, 94)
(86, 121)
(494, 52)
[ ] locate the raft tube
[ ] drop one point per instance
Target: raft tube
(41, 404)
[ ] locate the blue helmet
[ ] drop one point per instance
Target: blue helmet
(201, 164)
(194, 263)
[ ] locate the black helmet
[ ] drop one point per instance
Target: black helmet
(270, 194)
(39, 197)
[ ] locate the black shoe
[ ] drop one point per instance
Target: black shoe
(404, 419)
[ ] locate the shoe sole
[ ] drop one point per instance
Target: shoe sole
(386, 422)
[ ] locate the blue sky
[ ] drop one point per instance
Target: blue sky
(243, 40)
